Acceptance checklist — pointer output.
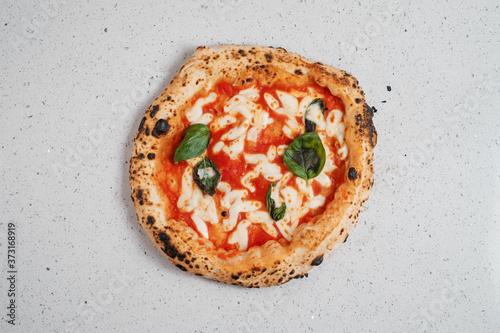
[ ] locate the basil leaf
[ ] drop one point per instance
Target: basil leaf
(316, 103)
(306, 156)
(193, 144)
(206, 175)
(276, 213)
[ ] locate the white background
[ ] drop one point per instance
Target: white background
(76, 79)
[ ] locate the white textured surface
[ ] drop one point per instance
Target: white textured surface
(76, 79)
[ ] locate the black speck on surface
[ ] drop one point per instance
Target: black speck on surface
(384, 101)
(389, 88)
(105, 29)
(374, 109)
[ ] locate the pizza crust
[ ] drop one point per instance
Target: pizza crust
(272, 263)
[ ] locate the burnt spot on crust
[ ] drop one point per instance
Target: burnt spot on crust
(141, 156)
(151, 220)
(345, 239)
(153, 112)
(235, 277)
(169, 98)
(269, 57)
(317, 261)
(168, 247)
(161, 128)
(138, 195)
(147, 130)
(365, 124)
(358, 100)
(242, 52)
(352, 174)
(182, 268)
(298, 72)
(141, 125)
(151, 156)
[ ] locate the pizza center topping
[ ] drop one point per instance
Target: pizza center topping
(255, 162)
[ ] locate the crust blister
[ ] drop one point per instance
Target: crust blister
(272, 263)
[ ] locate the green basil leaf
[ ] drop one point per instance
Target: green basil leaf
(306, 156)
(316, 103)
(193, 144)
(206, 175)
(276, 213)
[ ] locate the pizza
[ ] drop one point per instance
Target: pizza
(253, 164)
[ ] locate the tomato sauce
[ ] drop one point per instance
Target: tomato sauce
(169, 174)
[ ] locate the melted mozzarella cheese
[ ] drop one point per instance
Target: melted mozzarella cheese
(237, 207)
(316, 202)
(281, 149)
(232, 196)
(224, 187)
(235, 148)
(334, 125)
(342, 152)
(271, 101)
(255, 158)
(240, 104)
(204, 119)
(270, 171)
(246, 180)
(304, 103)
(304, 188)
(221, 122)
(196, 110)
(251, 93)
(271, 153)
(218, 147)
(236, 132)
(264, 219)
(200, 225)
(190, 196)
(284, 229)
(290, 103)
(292, 128)
(315, 115)
(240, 235)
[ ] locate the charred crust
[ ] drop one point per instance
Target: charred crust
(235, 277)
(141, 125)
(138, 195)
(169, 98)
(341, 231)
(147, 130)
(182, 268)
(161, 128)
(358, 100)
(141, 156)
(150, 220)
(151, 156)
(154, 110)
(365, 124)
(181, 256)
(169, 249)
(317, 261)
(345, 239)
(352, 174)
(298, 72)
(269, 57)
(242, 52)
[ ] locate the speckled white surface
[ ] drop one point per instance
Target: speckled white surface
(76, 79)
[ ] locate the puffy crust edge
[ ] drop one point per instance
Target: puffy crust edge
(272, 263)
